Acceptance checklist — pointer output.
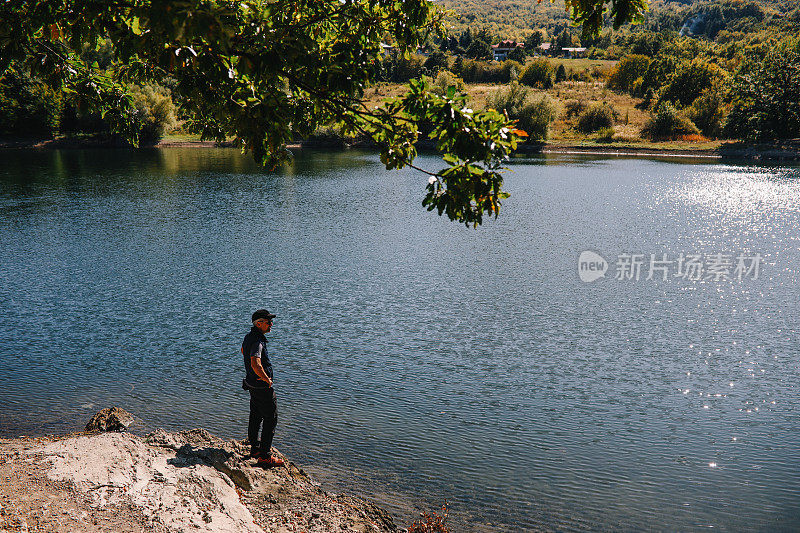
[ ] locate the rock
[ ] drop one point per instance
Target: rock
(110, 419)
(198, 445)
(185, 481)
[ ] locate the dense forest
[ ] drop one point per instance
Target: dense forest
(517, 19)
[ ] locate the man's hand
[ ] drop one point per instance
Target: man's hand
(255, 362)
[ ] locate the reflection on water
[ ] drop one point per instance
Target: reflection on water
(416, 360)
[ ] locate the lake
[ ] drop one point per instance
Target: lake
(416, 360)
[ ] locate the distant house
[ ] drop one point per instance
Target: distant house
(387, 49)
(573, 52)
(503, 48)
(569, 52)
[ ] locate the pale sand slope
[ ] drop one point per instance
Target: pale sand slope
(187, 481)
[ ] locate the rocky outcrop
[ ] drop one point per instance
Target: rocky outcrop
(110, 419)
(165, 482)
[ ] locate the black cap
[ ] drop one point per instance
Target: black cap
(262, 314)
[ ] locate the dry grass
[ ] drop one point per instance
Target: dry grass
(627, 128)
(629, 119)
(577, 65)
(380, 92)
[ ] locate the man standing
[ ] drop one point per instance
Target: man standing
(263, 404)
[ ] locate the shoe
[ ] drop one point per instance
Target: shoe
(269, 462)
(254, 453)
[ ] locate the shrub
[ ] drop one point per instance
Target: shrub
(605, 135)
(533, 115)
(444, 80)
(575, 107)
(667, 123)
(536, 116)
(627, 71)
(154, 113)
(539, 73)
(28, 106)
(597, 117)
(510, 70)
(480, 72)
(431, 522)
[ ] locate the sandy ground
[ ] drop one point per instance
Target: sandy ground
(181, 482)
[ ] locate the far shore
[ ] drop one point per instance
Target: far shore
(788, 151)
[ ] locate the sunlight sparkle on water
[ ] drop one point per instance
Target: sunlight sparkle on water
(744, 191)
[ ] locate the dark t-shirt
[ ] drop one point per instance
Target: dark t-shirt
(255, 345)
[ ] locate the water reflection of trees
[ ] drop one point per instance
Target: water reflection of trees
(124, 167)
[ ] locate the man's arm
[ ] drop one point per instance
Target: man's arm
(255, 363)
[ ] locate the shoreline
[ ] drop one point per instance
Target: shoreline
(165, 482)
(789, 151)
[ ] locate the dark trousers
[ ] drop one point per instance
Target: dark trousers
(263, 408)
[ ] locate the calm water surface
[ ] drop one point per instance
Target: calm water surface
(417, 360)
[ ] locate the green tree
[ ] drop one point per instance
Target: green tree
(436, 62)
(510, 70)
(766, 97)
(564, 40)
(400, 68)
(589, 13)
(658, 73)
(517, 54)
(28, 106)
(444, 80)
(465, 39)
(628, 70)
(561, 73)
(708, 112)
(691, 80)
(155, 112)
(479, 50)
(533, 41)
(261, 71)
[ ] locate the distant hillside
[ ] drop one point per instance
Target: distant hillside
(513, 19)
(516, 19)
